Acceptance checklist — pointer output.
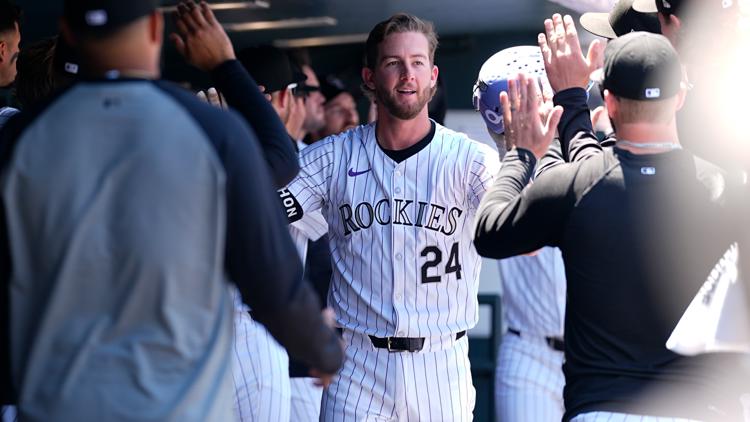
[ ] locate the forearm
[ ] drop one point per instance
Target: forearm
(577, 138)
(552, 158)
(300, 328)
(493, 213)
(243, 95)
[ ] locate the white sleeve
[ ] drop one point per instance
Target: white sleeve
(309, 190)
(312, 225)
(483, 166)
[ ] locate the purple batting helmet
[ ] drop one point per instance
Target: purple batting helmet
(493, 79)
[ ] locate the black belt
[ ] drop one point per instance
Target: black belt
(403, 344)
(553, 342)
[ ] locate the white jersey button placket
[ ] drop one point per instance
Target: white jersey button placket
(397, 245)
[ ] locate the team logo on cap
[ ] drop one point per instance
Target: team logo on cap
(71, 68)
(653, 92)
(96, 17)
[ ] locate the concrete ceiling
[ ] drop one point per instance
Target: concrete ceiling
(451, 17)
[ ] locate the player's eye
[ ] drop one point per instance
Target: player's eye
(418, 63)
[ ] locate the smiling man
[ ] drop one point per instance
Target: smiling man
(399, 196)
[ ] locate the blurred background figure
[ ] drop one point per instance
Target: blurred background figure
(44, 67)
(340, 109)
(713, 46)
(309, 91)
(10, 41)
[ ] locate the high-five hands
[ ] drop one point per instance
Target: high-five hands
(200, 38)
(563, 59)
(523, 128)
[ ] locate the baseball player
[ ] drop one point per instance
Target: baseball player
(639, 225)
(399, 196)
(150, 222)
(529, 380)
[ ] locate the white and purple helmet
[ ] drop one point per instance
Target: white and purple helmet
(493, 79)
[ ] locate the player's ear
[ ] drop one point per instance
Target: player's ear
(3, 51)
(611, 102)
(434, 76)
(681, 95)
(285, 98)
(367, 78)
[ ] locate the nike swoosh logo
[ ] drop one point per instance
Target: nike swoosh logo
(353, 173)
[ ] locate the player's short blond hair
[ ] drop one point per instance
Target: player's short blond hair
(399, 23)
(634, 111)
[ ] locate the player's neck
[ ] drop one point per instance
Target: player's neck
(645, 133)
(395, 134)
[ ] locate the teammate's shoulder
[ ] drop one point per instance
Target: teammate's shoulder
(715, 178)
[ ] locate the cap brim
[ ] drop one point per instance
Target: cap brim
(645, 6)
(598, 24)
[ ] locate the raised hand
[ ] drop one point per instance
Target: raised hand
(200, 38)
(563, 58)
(523, 128)
(213, 97)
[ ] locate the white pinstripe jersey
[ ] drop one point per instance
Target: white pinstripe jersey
(534, 292)
(400, 233)
(311, 227)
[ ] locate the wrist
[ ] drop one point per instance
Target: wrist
(218, 63)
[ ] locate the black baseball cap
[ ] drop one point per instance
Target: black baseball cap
(621, 20)
(641, 66)
(65, 60)
(653, 6)
(331, 86)
(673, 7)
(270, 67)
(98, 16)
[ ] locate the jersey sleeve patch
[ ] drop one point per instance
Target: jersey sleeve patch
(292, 207)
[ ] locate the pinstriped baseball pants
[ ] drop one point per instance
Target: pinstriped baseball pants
(261, 373)
(528, 381)
(376, 385)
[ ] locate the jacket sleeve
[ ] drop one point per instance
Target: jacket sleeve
(577, 138)
(516, 217)
(243, 95)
